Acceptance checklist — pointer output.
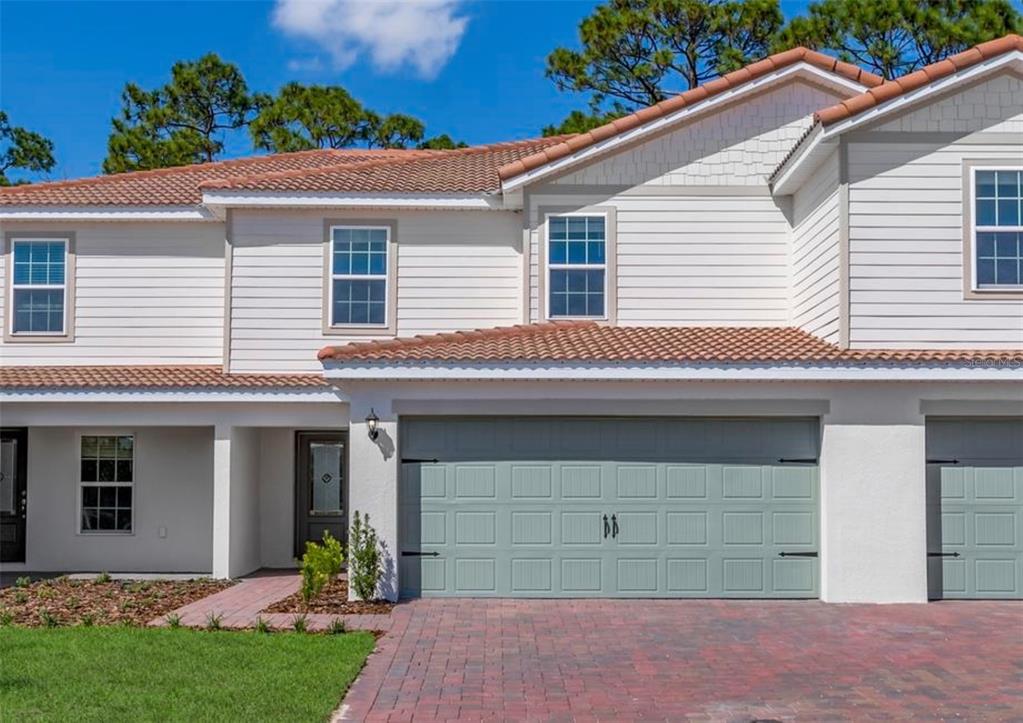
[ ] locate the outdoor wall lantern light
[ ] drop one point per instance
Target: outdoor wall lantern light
(372, 421)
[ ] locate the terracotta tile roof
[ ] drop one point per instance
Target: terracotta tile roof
(928, 74)
(690, 97)
(585, 341)
(147, 377)
(466, 170)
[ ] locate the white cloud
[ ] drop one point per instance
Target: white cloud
(393, 33)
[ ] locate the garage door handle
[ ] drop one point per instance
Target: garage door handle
(607, 527)
(942, 554)
(614, 526)
(797, 554)
(415, 553)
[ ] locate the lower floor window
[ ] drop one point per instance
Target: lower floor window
(107, 478)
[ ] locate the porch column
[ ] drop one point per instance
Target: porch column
(873, 499)
(235, 501)
(373, 478)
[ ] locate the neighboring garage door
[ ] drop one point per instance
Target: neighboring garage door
(580, 507)
(975, 508)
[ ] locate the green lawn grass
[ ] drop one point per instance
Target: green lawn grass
(139, 674)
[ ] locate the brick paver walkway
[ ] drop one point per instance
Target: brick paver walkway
(240, 605)
(703, 660)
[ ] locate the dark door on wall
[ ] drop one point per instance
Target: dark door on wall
(13, 494)
(321, 487)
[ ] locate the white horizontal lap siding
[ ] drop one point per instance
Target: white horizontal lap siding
(145, 293)
(739, 145)
(906, 227)
(694, 260)
(815, 252)
(456, 270)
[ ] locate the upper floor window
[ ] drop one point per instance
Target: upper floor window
(577, 266)
(359, 258)
(39, 286)
(998, 228)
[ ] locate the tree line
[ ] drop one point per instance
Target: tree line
(631, 53)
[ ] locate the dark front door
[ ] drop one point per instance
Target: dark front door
(13, 494)
(321, 487)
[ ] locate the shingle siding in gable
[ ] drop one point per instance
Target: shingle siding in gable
(815, 253)
(996, 105)
(740, 145)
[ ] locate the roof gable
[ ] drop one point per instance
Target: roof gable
(654, 118)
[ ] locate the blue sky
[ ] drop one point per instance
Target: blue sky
(472, 69)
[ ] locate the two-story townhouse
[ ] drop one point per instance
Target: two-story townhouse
(763, 339)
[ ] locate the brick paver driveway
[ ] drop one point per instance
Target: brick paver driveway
(706, 660)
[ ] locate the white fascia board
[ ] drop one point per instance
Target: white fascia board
(106, 213)
(803, 161)
(65, 395)
(673, 372)
(801, 69)
(1013, 60)
(275, 199)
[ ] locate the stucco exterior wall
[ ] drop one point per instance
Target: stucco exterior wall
(173, 519)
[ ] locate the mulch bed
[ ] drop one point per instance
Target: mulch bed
(332, 600)
(62, 601)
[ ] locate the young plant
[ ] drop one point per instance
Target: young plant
(87, 620)
(337, 627)
(103, 577)
(6, 617)
(173, 620)
(20, 597)
(365, 566)
(48, 620)
(299, 623)
(262, 626)
(23, 581)
(321, 563)
(213, 620)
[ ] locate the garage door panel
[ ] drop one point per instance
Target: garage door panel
(530, 522)
(975, 508)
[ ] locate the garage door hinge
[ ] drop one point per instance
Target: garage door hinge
(943, 461)
(416, 460)
(797, 554)
(797, 460)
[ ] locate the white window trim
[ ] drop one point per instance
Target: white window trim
(79, 484)
(389, 278)
(548, 266)
(974, 228)
(63, 241)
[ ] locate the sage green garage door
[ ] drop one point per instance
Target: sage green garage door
(975, 508)
(580, 507)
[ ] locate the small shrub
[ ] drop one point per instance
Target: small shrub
(299, 623)
(103, 577)
(337, 626)
(173, 620)
(23, 581)
(87, 620)
(21, 597)
(72, 602)
(48, 620)
(45, 593)
(6, 617)
(321, 563)
(213, 620)
(365, 566)
(262, 626)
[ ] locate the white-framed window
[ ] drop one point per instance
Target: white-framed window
(359, 266)
(997, 228)
(577, 266)
(39, 285)
(106, 483)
